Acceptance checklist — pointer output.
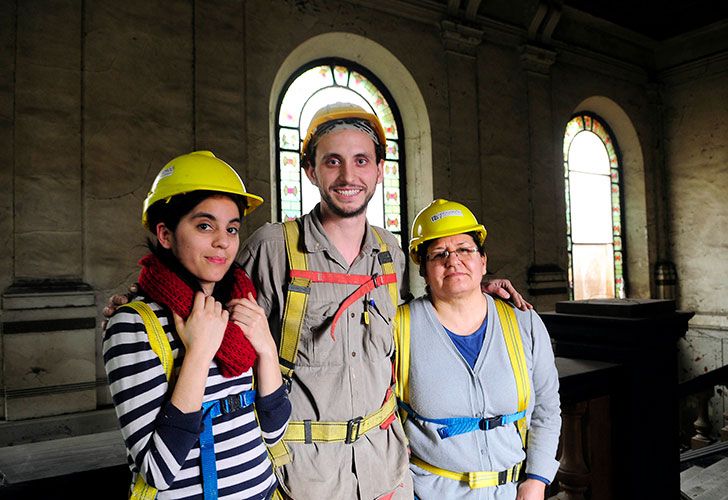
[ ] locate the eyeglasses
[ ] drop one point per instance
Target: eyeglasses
(462, 253)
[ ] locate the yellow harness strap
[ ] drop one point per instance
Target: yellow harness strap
(517, 356)
(160, 345)
(402, 359)
(157, 338)
(296, 301)
(339, 432)
(482, 479)
(385, 260)
(514, 344)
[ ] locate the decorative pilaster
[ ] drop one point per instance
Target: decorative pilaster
(461, 43)
(546, 277)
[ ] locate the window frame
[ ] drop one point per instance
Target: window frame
(618, 236)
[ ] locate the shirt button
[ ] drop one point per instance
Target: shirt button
(352, 315)
(353, 354)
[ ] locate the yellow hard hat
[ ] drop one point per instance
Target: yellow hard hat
(196, 171)
(443, 218)
(340, 111)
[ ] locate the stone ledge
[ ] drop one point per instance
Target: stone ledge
(17, 432)
(42, 294)
(32, 461)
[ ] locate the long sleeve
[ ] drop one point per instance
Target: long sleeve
(274, 411)
(543, 436)
(158, 437)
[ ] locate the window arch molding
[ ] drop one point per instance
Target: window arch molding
(405, 92)
(639, 234)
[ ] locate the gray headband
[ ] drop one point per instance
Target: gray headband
(343, 124)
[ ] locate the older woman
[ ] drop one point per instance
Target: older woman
(481, 390)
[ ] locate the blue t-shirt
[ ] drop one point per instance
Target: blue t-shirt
(469, 345)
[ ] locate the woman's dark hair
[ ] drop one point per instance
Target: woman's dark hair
(170, 213)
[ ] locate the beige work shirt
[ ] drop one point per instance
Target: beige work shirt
(335, 379)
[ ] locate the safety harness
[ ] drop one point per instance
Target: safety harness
(460, 425)
(159, 343)
(299, 289)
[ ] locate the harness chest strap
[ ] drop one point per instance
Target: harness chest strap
(462, 425)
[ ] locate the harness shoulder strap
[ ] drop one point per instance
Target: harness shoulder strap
(402, 351)
(159, 343)
(158, 340)
(517, 356)
(387, 263)
(294, 312)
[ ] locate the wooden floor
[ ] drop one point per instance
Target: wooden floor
(111, 483)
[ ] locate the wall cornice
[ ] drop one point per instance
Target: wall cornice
(705, 67)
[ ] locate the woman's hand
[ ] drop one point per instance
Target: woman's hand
(251, 318)
(504, 289)
(201, 335)
(531, 489)
(204, 329)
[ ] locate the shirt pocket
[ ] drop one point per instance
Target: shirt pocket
(316, 347)
(378, 340)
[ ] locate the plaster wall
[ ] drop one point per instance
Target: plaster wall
(697, 165)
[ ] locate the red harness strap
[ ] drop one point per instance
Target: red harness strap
(366, 284)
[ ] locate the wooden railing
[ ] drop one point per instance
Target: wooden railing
(586, 447)
(702, 387)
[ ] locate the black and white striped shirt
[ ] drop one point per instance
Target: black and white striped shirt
(162, 442)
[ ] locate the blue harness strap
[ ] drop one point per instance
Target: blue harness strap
(210, 410)
(461, 425)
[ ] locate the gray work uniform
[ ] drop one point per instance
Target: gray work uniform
(442, 385)
(335, 379)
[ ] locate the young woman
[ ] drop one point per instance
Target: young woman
(204, 431)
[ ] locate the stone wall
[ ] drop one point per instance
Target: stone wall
(96, 96)
(697, 164)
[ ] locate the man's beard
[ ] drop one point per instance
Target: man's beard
(336, 210)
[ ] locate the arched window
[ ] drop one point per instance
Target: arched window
(592, 176)
(309, 89)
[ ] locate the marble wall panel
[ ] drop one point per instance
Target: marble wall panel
(49, 373)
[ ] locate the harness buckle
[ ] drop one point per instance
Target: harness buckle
(232, 404)
(486, 424)
(353, 425)
(502, 477)
(288, 381)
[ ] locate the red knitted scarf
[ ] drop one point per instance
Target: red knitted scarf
(163, 286)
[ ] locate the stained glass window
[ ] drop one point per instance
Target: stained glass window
(592, 179)
(312, 87)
